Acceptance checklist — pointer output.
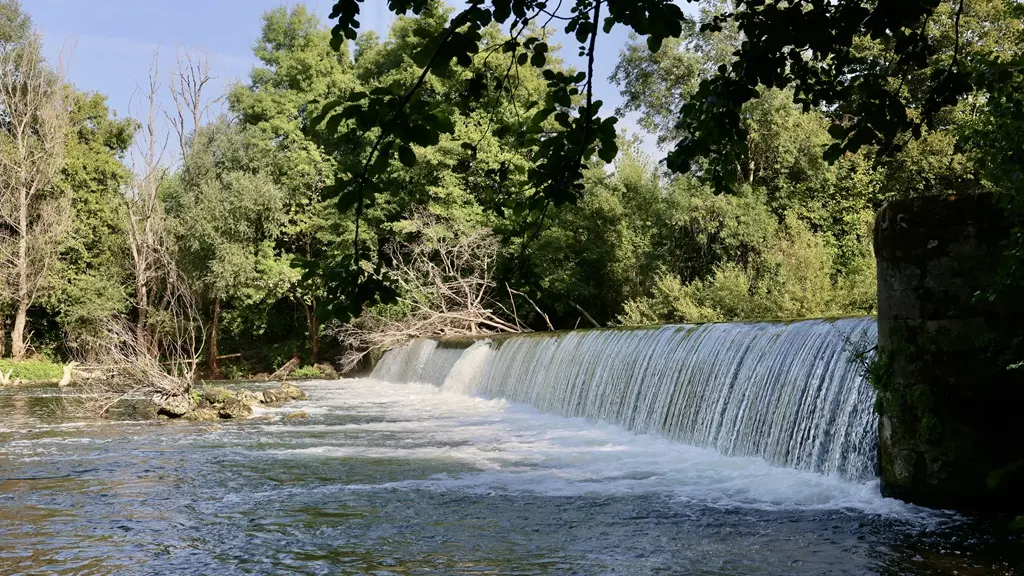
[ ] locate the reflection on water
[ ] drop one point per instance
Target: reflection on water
(404, 479)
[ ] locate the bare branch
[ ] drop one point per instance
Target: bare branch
(35, 126)
(445, 278)
(187, 85)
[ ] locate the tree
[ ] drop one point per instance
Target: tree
(93, 273)
(298, 68)
(34, 132)
(167, 322)
(226, 214)
(807, 45)
(887, 71)
(189, 92)
(446, 288)
(15, 24)
(151, 261)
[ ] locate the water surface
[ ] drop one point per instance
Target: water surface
(408, 479)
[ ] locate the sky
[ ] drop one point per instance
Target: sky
(109, 45)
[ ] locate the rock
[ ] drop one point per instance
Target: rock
(172, 406)
(327, 371)
(283, 393)
(262, 418)
(300, 415)
(249, 397)
(292, 392)
(202, 415)
(217, 395)
(261, 377)
(132, 409)
(235, 408)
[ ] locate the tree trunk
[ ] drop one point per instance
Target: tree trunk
(18, 344)
(3, 336)
(314, 331)
(141, 306)
(287, 369)
(212, 366)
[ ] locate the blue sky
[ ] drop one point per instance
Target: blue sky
(112, 42)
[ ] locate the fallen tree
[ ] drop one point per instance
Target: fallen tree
(445, 279)
(159, 362)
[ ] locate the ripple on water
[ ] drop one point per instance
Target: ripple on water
(405, 479)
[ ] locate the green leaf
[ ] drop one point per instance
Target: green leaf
(406, 155)
(833, 153)
(608, 151)
(838, 131)
(325, 112)
(347, 200)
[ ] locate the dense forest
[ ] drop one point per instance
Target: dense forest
(107, 235)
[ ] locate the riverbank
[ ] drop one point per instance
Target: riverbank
(33, 371)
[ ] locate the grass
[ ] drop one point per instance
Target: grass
(32, 370)
(305, 372)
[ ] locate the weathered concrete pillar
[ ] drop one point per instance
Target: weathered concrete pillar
(951, 426)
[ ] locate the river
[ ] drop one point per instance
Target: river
(387, 478)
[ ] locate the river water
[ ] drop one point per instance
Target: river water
(409, 479)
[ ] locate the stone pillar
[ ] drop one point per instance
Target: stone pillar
(951, 411)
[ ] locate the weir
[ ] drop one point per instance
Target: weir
(793, 394)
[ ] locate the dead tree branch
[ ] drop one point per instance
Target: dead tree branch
(445, 278)
(35, 127)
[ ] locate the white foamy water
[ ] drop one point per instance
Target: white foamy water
(793, 394)
(493, 446)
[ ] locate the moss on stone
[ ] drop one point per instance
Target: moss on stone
(930, 431)
(216, 395)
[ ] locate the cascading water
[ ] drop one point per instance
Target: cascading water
(419, 361)
(792, 394)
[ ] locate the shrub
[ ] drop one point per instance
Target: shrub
(795, 277)
(35, 369)
(306, 372)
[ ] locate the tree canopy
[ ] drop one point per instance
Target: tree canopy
(358, 180)
(882, 74)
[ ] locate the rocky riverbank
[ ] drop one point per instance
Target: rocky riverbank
(205, 404)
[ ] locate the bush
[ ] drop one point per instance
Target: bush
(794, 278)
(36, 369)
(306, 372)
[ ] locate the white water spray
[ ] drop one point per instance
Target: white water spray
(789, 393)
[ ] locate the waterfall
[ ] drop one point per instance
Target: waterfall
(792, 394)
(421, 360)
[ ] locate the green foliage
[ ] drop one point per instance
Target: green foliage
(284, 215)
(305, 372)
(881, 80)
(15, 23)
(227, 214)
(876, 64)
(791, 278)
(237, 371)
(92, 272)
(32, 370)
